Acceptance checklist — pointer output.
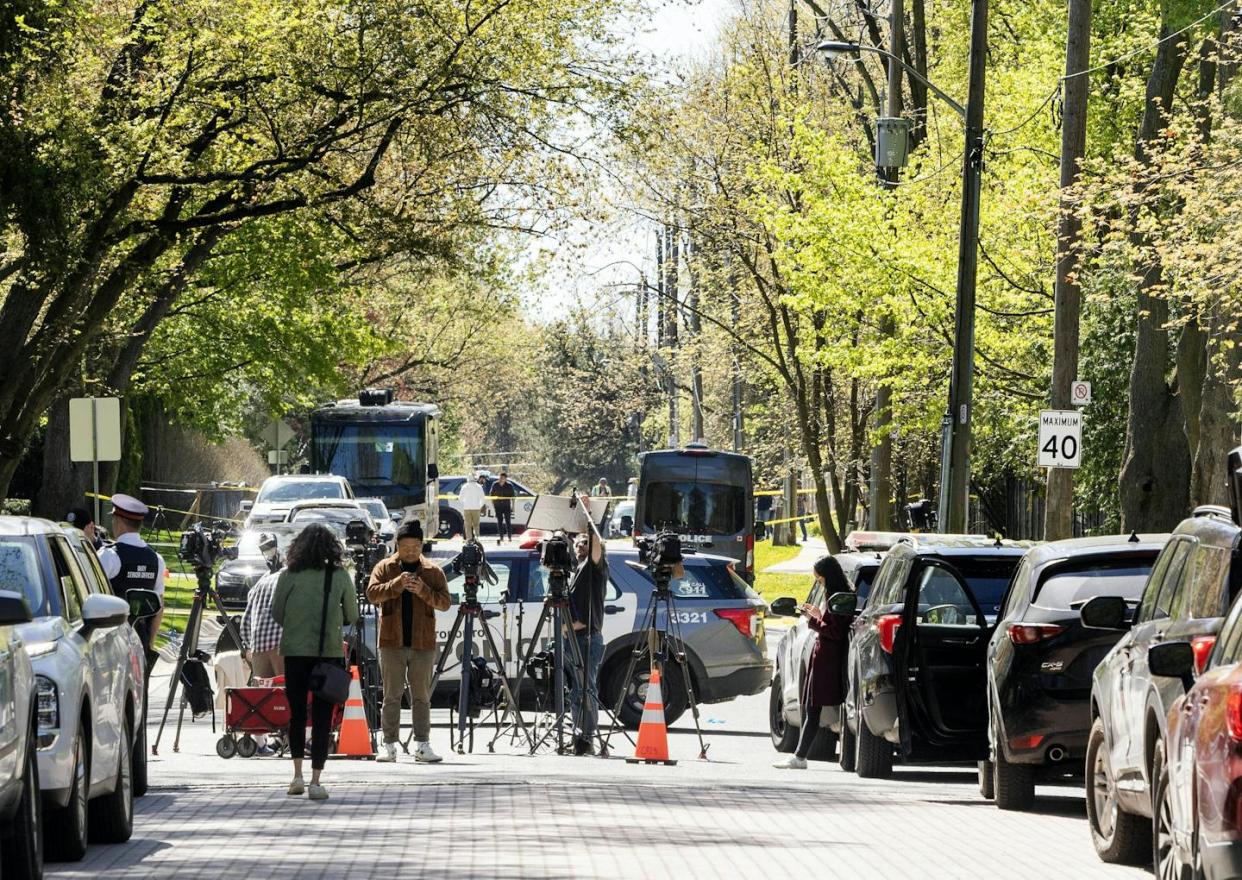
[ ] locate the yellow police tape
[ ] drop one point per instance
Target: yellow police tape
(159, 508)
(788, 519)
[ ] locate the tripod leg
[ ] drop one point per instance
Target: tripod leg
(639, 649)
(187, 642)
(463, 689)
(680, 657)
(504, 683)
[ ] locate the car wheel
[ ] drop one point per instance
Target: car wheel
(112, 815)
(139, 758)
(987, 780)
(64, 831)
(1170, 863)
(672, 691)
(849, 749)
(784, 734)
(1015, 784)
(22, 850)
(1118, 836)
(875, 754)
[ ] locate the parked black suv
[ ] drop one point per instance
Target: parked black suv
(916, 661)
(1041, 657)
(1188, 594)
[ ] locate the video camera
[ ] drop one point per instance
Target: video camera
(364, 545)
(472, 563)
(661, 553)
(202, 546)
(556, 555)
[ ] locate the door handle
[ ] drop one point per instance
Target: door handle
(613, 609)
(962, 641)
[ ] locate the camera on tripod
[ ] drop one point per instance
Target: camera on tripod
(201, 546)
(472, 563)
(364, 545)
(556, 556)
(662, 550)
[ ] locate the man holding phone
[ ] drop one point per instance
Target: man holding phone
(408, 589)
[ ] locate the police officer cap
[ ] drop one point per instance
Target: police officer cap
(129, 507)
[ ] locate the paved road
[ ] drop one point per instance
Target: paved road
(512, 815)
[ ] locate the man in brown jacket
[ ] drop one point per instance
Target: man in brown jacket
(408, 589)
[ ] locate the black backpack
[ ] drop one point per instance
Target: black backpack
(197, 686)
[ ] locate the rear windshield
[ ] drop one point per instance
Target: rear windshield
(1069, 586)
(988, 577)
(698, 508)
(301, 490)
(708, 581)
(20, 572)
(862, 578)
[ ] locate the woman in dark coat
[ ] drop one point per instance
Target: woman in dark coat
(825, 678)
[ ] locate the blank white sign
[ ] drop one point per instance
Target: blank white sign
(95, 437)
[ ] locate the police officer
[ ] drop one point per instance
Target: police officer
(130, 563)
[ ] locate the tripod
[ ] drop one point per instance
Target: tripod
(189, 648)
(365, 653)
(556, 609)
(467, 612)
(662, 648)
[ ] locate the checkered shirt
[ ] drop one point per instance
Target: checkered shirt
(258, 630)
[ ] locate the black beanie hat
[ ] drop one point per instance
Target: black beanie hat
(411, 529)
(80, 517)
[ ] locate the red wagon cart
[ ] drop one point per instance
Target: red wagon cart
(254, 710)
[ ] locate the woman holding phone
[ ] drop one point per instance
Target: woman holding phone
(825, 677)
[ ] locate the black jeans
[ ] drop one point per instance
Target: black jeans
(504, 524)
(810, 727)
(297, 686)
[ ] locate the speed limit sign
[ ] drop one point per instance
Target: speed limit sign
(1060, 438)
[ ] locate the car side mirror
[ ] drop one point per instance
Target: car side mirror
(627, 524)
(14, 609)
(1173, 660)
(100, 611)
(247, 506)
(143, 604)
(843, 603)
(1106, 612)
(433, 472)
(785, 606)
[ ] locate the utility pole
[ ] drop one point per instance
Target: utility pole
(694, 326)
(1059, 513)
(739, 425)
(955, 475)
(880, 508)
(671, 259)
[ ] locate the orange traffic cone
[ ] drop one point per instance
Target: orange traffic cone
(355, 737)
(652, 745)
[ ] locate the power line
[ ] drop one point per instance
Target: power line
(1158, 43)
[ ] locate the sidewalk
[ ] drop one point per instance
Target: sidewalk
(801, 564)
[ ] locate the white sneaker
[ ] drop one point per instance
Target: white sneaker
(793, 762)
(424, 755)
(389, 755)
(297, 787)
(317, 792)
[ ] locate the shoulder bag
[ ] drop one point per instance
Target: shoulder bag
(328, 679)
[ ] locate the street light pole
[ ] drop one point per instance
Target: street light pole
(955, 484)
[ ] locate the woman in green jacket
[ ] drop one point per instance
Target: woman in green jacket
(314, 575)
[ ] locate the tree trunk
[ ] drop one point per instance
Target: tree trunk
(1218, 422)
(65, 483)
(1059, 514)
(1155, 474)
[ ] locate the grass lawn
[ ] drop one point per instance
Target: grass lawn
(773, 586)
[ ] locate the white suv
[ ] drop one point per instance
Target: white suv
(277, 496)
(21, 840)
(89, 669)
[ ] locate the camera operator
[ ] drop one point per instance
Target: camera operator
(408, 589)
(130, 564)
(586, 602)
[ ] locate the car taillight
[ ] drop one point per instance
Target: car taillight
(887, 625)
(1233, 715)
(1201, 647)
(742, 618)
(1026, 742)
(750, 551)
(1032, 633)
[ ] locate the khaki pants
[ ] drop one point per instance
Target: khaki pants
(267, 664)
(399, 667)
(471, 518)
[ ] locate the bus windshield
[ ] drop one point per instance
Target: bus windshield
(380, 455)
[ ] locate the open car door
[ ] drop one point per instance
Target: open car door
(941, 679)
